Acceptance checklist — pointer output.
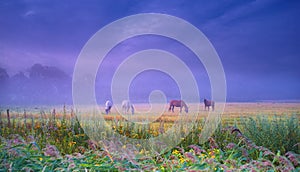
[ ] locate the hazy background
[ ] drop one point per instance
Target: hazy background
(257, 41)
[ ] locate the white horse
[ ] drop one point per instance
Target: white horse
(108, 105)
(126, 105)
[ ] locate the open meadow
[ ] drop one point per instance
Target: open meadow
(248, 136)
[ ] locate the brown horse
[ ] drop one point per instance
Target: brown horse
(178, 103)
(208, 103)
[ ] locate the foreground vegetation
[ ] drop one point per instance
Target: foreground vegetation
(57, 142)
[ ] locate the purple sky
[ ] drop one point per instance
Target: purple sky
(257, 41)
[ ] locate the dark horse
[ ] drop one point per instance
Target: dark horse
(208, 103)
(178, 103)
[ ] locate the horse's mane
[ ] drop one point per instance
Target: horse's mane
(184, 104)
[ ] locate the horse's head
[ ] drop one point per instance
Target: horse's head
(186, 109)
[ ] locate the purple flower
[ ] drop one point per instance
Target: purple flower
(17, 140)
(266, 163)
(294, 158)
(51, 150)
(245, 152)
(268, 152)
(190, 156)
(92, 144)
(230, 145)
(71, 166)
(78, 155)
(198, 150)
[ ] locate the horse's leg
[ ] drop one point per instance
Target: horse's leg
(180, 109)
(173, 108)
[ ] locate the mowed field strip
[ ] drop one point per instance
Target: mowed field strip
(231, 110)
(160, 111)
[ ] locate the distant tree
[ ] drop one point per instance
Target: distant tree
(3, 75)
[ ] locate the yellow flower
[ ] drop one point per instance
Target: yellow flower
(97, 165)
(203, 155)
(181, 160)
(142, 151)
(41, 159)
(72, 143)
(175, 152)
(217, 150)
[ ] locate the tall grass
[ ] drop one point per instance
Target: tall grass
(278, 133)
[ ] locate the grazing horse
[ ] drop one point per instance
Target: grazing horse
(178, 103)
(108, 105)
(126, 105)
(208, 103)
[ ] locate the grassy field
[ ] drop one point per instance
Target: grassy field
(250, 136)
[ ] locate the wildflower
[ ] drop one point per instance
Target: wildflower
(213, 144)
(293, 158)
(266, 163)
(267, 152)
(191, 150)
(245, 152)
(142, 151)
(72, 165)
(190, 156)
(17, 140)
(175, 152)
(78, 155)
(181, 160)
(217, 151)
(51, 150)
(197, 149)
(172, 157)
(41, 159)
(92, 144)
(72, 143)
(230, 145)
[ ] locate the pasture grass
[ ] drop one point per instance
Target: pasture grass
(48, 142)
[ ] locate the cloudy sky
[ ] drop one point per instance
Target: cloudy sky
(257, 41)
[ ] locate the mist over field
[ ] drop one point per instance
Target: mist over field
(39, 85)
(49, 85)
